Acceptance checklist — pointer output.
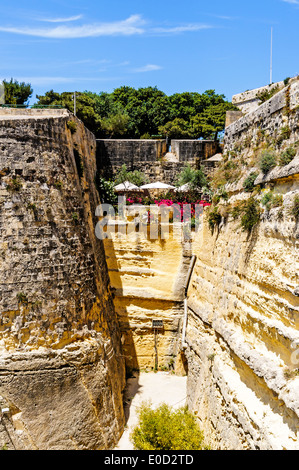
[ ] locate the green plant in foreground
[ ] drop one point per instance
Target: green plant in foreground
(75, 217)
(22, 298)
(167, 429)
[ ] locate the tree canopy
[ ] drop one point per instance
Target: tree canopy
(134, 113)
(17, 93)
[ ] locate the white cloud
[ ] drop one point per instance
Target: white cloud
(181, 29)
(130, 26)
(61, 20)
(292, 2)
(134, 25)
(147, 68)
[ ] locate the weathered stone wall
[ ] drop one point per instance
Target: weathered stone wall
(242, 336)
(61, 367)
(149, 156)
(135, 154)
(266, 122)
(248, 101)
(147, 276)
(194, 151)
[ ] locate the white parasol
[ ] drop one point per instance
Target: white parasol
(126, 186)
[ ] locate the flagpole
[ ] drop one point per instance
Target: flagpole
(271, 57)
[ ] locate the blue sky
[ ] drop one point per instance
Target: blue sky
(186, 45)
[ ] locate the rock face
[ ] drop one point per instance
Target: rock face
(242, 336)
(61, 366)
(147, 276)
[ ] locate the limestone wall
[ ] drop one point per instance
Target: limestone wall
(138, 154)
(194, 151)
(150, 156)
(266, 122)
(242, 335)
(61, 367)
(147, 276)
(248, 101)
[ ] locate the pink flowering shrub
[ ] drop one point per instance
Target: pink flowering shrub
(171, 201)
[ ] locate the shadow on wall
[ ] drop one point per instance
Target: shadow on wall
(128, 346)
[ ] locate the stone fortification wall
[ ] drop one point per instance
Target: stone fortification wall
(266, 122)
(248, 101)
(135, 154)
(150, 156)
(148, 276)
(194, 151)
(61, 368)
(36, 113)
(243, 331)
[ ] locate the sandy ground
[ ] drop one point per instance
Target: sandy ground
(160, 387)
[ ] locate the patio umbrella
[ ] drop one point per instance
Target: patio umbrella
(157, 185)
(126, 186)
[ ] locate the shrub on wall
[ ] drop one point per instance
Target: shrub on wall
(287, 156)
(251, 214)
(214, 218)
(248, 184)
(295, 207)
(267, 162)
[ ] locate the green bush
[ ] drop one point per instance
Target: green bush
(135, 177)
(251, 214)
(267, 162)
(106, 190)
(248, 184)
(195, 178)
(167, 429)
(214, 218)
(14, 185)
(287, 156)
(72, 126)
(285, 134)
(270, 200)
(22, 298)
(266, 95)
(295, 207)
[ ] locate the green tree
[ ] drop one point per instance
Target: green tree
(17, 93)
(167, 429)
(85, 107)
(212, 121)
(132, 113)
(176, 129)
(196, 178)
(116, 124)
(147, 108)
(136, 177)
